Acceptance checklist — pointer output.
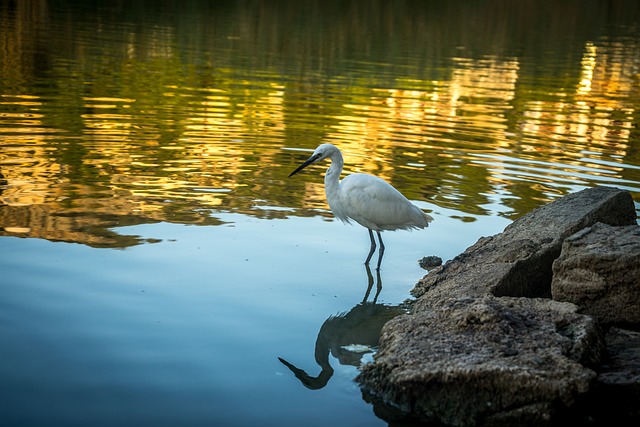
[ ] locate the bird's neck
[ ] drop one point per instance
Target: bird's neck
(332, 177)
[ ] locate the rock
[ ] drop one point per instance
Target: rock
(472, 359)
(617, 390)
(475, 350)
(429, 262)
(622, 364)
(518, 261)
(599, 270)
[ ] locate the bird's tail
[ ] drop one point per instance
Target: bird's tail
(427, 218)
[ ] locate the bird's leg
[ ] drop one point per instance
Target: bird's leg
(381, 251)
(373, 247)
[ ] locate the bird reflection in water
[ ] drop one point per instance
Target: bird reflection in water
(348, 336)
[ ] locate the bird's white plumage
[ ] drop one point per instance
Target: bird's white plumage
(366, 199)
(375, 204)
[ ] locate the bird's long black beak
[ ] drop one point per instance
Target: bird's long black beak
(311, 160)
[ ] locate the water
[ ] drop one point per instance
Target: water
(156, 260)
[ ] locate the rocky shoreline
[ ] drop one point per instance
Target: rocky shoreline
(536, 325)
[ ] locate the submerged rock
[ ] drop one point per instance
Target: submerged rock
(480, 347)
(429, 262)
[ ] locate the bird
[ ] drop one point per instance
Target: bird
(366, 199)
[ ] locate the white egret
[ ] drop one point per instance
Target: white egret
(366, 199)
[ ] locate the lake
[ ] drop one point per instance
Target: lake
(158, 267)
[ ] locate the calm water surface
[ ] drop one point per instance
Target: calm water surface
(156, 260)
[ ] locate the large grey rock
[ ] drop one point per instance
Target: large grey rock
(470, 353)
(616, 396)
(518, 261)
(599, 270)
(480, 360)
(622, 363)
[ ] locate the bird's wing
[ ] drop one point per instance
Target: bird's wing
(375, 204)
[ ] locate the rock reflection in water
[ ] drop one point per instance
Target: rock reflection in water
(348, 336)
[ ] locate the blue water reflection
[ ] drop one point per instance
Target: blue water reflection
(189, 330)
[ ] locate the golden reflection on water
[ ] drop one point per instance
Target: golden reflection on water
(138, 134)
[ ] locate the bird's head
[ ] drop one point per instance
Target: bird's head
(322, 152)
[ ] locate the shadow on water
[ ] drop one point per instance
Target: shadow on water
(348, 336)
